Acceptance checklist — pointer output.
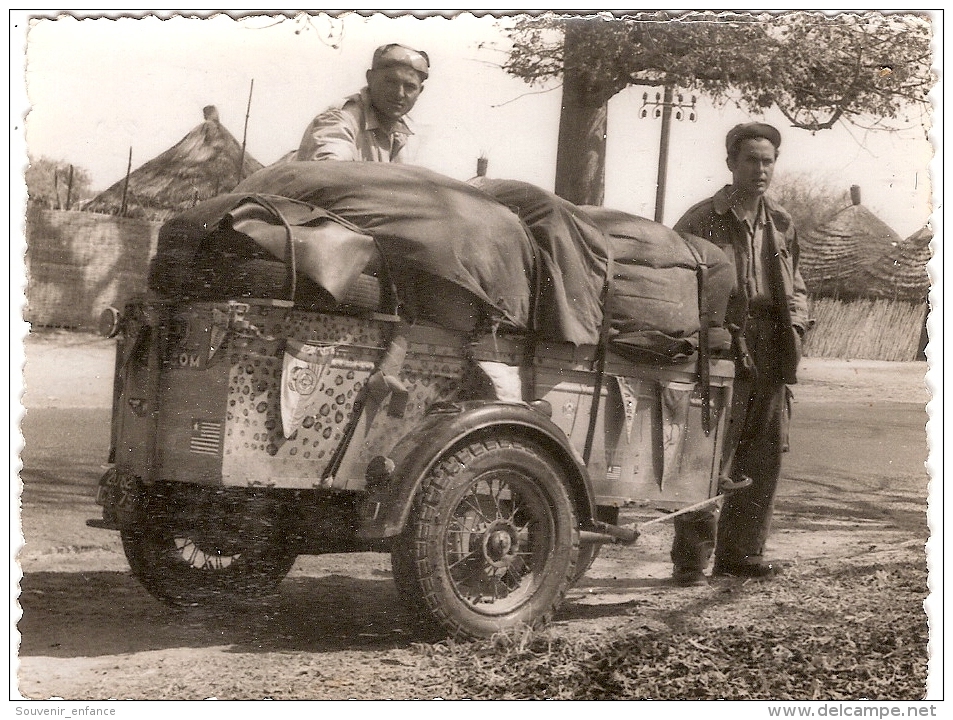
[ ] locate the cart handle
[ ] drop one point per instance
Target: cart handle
(603, 533)
(703, 505)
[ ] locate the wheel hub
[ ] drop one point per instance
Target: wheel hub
(500, 544)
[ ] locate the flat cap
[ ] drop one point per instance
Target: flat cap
(394, 54)
(746, 131)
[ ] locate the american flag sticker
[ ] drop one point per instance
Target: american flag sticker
(206, 437)
(614, 472)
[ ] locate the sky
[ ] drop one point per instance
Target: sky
(94, 88)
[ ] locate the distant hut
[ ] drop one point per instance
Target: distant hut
(867, 287)
(837, 257)
(901, 273)
(205, 163)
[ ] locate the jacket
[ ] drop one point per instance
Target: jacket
(713, 220)
(351, 130)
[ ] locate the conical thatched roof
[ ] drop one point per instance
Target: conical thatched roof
(837, 258)
(201, 165)
(902, 272)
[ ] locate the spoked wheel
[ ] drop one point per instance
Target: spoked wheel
(199, 547)
(492, 542)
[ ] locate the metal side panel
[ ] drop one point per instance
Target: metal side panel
(649, 443)
(134, 409)
(569, 393)
(257, 450)
(655, 446)
(429, 374)
(192, 424)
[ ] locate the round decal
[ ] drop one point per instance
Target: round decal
(303, 380)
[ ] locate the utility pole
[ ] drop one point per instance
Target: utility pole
(125, 185)
(241, 161)
(69, 188)
(664, 103)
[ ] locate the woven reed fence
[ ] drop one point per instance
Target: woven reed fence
(78, 263)
(866, 329)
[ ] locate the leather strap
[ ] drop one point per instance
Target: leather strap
(704, 351)
(602, 352)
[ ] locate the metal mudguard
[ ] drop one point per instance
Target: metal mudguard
(451, 425)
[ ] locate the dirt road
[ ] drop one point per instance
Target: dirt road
(854, 485)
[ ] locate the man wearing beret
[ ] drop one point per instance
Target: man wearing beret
(768, 314)
(371, 125)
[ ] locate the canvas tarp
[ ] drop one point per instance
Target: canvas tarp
(426, 225)
(459, 254)
(656, 273)
(572, 257)
(456, 256)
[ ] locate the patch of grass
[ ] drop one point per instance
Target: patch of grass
(847, 633)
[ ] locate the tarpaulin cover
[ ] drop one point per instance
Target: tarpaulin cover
(572, 259)
(208, 253)
(654, 306)
(456, 256)
(425, 224)
(458, 253)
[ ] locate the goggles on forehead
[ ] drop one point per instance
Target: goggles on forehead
(394, 54)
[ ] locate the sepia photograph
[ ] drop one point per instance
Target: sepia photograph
(476, 355)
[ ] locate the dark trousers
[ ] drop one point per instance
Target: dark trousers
(757, 428)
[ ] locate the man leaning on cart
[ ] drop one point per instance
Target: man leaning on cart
(371, 125)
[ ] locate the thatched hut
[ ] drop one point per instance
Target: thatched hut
(868, 288)
(901, 273)
(836, 259)
(208, 161)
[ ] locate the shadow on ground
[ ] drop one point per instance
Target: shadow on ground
(106, 613)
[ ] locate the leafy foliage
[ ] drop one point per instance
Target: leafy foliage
(811, 201)
(48, 183)
(816, 69)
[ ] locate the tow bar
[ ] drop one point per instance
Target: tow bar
(604, 533)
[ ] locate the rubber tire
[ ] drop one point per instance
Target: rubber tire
(419, 559)
(587, 555)
(155, 560)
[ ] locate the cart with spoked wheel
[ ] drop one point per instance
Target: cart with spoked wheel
(311, 374)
